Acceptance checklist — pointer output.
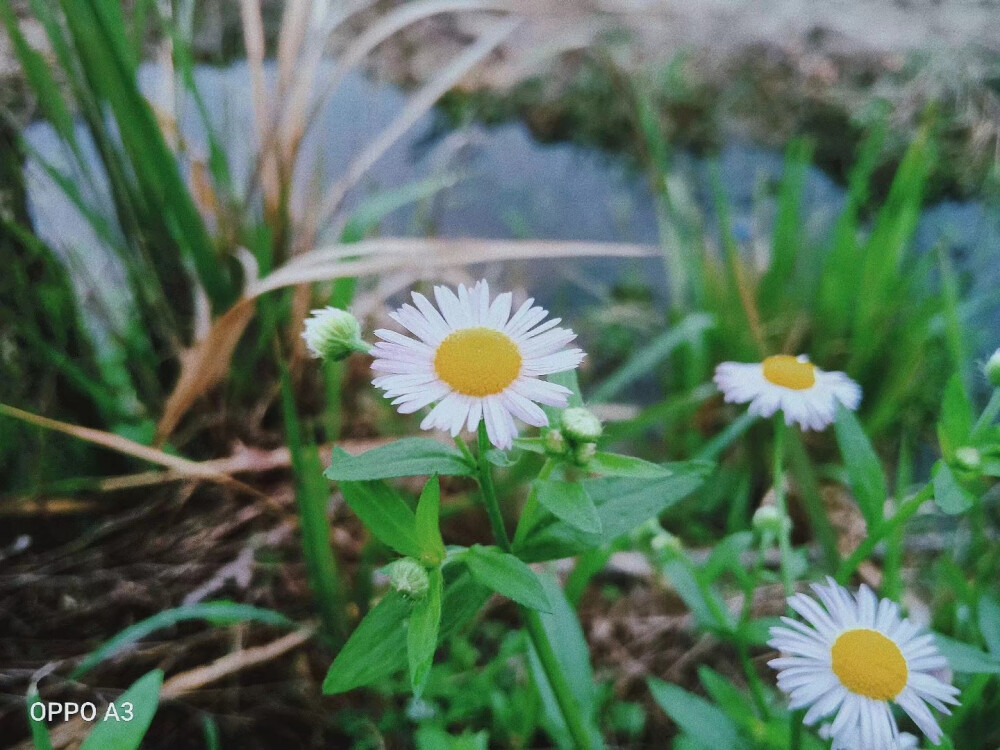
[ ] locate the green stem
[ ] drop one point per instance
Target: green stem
(529, 514)
(785, 535)
(989, 414)
(490, 492)
(905, 512)
(532, 620)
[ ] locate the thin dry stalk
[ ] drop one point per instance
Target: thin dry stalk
(418, 105)
(253, 41)
(183, 684)
(191, 469)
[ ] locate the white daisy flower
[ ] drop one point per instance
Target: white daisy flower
(802, 391)
(855, 655)
(476, 360)
(906, 741)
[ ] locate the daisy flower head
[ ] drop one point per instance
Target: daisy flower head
(475, 361)
(854, 656)
(803, 392)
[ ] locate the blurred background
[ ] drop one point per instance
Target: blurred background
(682, 182)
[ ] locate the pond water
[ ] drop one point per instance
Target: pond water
(513, 187)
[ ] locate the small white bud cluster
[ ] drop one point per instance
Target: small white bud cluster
(581, 430)
(333, 334)
(409, 577)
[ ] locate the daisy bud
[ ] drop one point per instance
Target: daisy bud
(968, 458)
(408, 577)
(333, 334)
(580, 426)
(555, 443)
(664, 541)
(584, 452)
(768, 520)
(992, 369)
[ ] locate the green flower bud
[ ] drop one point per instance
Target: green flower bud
(580, 426)
(664, 541)
(770, 523)
(555, 443)
(409, 577)
(333, 334)
(968, 458)
(583, 453)
(992, 369)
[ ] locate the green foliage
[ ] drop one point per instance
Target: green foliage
(385, 514)
(863, 466)
(707, 725)
(506, 575)
(217, 614)
(569, 502)
(422, 632)
(139, 703)
(377, 647)
(401, 458)
(622, 504)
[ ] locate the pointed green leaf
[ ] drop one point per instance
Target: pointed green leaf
(863, 467)
(965, 658)
(377, 648)
(428, 522)
(507, 575)
(385, 514)
(989, 623)
(39, 732)
(955, 424)
(569, 502)
(422, 632)
(615, 465)
(403, 458)
(950, 496)
(697, 716)
(622, 504)
(139, 702)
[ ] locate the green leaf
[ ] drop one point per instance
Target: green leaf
(965, 658)
(562, 626)
(726, 695)
(622, 504)
(955, 424)
(429, 737)
(863, 467)
(532, 445)
(403, 458)
(422, 633)
(615, 465)
(989, 623)
(569, 502)
(139, 702)
(219, 614)
(39, 732)
(385, 514)
(377, 648)
(950, 496)
(507, 575)
(428, 523)
(644, 361)
(697, 717)
(684, 580)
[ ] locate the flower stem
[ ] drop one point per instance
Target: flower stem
(785, 534)
(532, 620)
(989, 414)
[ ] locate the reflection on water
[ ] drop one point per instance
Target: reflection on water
(515, 187)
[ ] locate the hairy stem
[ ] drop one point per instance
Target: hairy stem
(532, 620)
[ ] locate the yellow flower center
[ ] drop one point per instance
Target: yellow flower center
(786, 371)
(478, 361)
(867, 663)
